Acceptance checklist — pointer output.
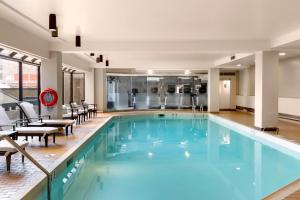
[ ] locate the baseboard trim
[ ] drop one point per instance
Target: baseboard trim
(228, 109)
(245, 108)
(270, 129)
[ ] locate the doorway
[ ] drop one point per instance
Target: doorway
(225, 89)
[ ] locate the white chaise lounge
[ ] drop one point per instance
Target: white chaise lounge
(7, 150)
(35, 120)
(41, 132)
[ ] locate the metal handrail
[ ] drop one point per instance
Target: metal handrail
(201, 108)
(29, 157)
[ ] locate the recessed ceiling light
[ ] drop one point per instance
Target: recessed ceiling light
(187, 72)
(282, 54)
(239, 65)
(150, 71)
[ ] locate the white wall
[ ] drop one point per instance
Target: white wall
(289, 87)
(213, 102)
(15, 37)
(233, 91)
(100, 89)
(289, 78)
(51, 77)
(75, 61)
(90, 86)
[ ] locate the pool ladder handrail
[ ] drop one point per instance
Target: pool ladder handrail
(35, 162)
(193, 105)
(201, 108)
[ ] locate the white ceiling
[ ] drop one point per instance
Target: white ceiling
(207, 29)
(165, 19)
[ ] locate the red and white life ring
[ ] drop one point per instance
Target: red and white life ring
(48, 97)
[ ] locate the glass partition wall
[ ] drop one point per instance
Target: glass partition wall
(125, 92)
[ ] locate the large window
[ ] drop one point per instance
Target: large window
(30, 85)
(9, 87)
(18, 82)
(9, 81)
(74, 87)
(78, 87)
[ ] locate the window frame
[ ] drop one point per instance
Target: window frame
(71, 85)
(20, 63)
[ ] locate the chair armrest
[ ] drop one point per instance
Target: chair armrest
(21, 122)
(38, 118)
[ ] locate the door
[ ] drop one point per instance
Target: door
(225, 94)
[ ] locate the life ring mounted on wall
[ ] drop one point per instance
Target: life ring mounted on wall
(48, 97)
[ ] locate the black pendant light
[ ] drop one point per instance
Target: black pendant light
(101, 58)
(107, 63)
(78, 41)
(92, 54)
(52, 22)
(54, 33)
(97, 60)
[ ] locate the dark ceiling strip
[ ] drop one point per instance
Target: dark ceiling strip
(18, 60)
(12, 54)
(24, 57)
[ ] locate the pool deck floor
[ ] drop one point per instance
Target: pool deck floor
(22, 177)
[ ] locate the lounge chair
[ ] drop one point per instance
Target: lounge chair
(35, 120)
(7, 150)
(45, 132)
(81, 111)
(69, 113)
(91, 108)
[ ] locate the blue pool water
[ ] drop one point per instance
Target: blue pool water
(173, 158)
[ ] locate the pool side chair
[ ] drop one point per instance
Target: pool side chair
(69, 113)
(91, 108)
(81, 111)
(35, 120)
(7, 150)
(41, 132)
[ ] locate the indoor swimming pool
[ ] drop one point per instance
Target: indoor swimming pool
(176, 157)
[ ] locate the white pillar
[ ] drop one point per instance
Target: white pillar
(90, 86)
(266, 89)
(213, 90)
(100, 89)
(51, 77)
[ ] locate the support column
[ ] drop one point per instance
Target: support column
(100, 89)
(266, 90)
(213, 90)
(51, 77)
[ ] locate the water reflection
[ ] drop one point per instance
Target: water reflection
(165, 158)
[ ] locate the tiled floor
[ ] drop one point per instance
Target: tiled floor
(287, 129)
(23, 176)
